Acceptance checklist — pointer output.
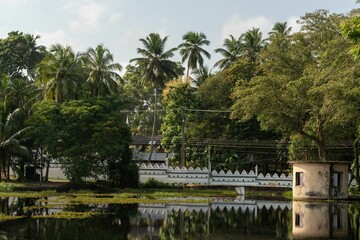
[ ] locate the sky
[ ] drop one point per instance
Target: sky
(119, 24)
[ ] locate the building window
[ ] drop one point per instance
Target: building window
(336, 179)
(336, 221)
(299, 178)
(298, 220)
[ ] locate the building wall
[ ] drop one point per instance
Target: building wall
(316, 180)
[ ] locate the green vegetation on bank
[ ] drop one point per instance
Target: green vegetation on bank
(298, 92)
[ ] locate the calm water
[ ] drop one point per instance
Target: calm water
(222, 219)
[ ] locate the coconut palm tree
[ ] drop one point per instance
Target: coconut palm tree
(103, 74)
(61, 72)
(230, 52)
(11, 139)
(201, 75)
(33, 55)
(252, 43)
(158, 68)
(280, 28)
(192, 51)
(19, 93)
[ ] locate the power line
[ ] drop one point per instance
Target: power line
(207, 110)
(185, 109)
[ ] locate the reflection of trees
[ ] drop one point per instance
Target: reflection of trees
(185, 225)
(114, 224)
(354, 213)
(227, 223)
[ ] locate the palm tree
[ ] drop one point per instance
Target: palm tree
(230, 52)
(19, 93)
(61, 71)
(280, 28)
(33, 54)
(103, 77)
(192, 51)
(158, 68)
(252, 43)
(11, 138)
(201, 75)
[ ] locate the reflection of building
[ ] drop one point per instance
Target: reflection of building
(319, 220)
(320, 180)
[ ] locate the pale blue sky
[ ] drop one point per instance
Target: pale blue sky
(118, 24)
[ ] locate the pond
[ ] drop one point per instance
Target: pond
(60, 218)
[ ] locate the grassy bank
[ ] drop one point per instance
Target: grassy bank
(144, 193)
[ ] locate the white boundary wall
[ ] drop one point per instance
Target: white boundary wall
(205, 177)
(200, 176)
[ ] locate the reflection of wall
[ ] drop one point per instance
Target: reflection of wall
(319, 220)
(321, 180)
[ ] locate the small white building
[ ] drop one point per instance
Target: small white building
(320, 180)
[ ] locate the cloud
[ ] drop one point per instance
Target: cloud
(15, 3)
(87, 15)
(132, 35)
(237, 26)
(50, 38)
(292, 22)
(115, 17)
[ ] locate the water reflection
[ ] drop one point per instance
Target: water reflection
(220, 219)
(320, 220)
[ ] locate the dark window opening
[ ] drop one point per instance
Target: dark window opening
(336, 221)
(298, 220)
(299, 178)
(336, 179)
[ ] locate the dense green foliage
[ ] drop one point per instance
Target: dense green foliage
(297, 91)
(89, 138)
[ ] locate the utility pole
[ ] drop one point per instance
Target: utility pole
(182, 136)
(209, 164)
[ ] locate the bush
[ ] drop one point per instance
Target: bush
(152, 183)
(6, 187)
(354, 189)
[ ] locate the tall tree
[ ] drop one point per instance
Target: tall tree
(291, 96)
(201, 75)
(230, 52)
(19, 54)
(12, 148)
(280, 28)
(103, 75)
(252, 43)
(61, 73)
(19, 93)
(177, 96)
(158, 68)
(192, 51)
(90, 139)
(347, 98)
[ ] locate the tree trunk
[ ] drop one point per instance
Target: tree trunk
(188, 69)
(321, 140)
(356, 161)
(8, 169)
(47, 170)
(22, 170)
(4, 167)
(154, 124)
(322, 151)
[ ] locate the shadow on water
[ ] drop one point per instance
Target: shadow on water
(238, 219)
